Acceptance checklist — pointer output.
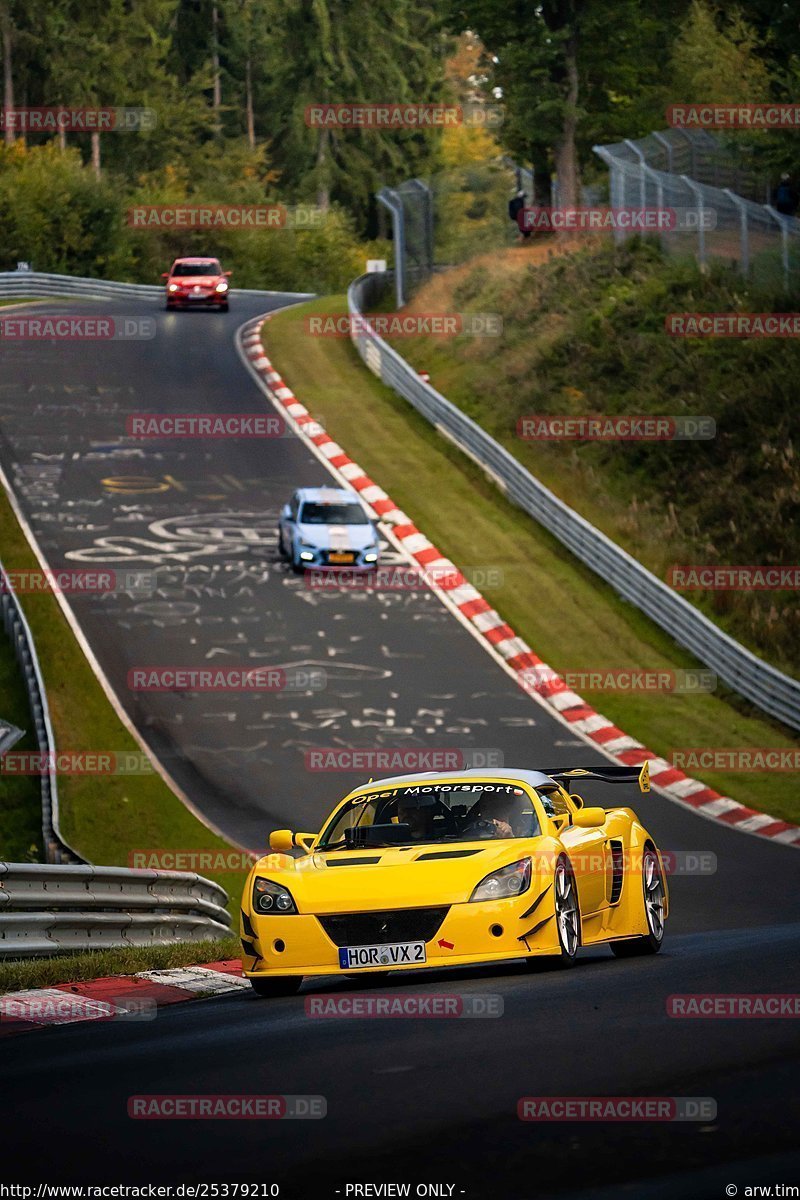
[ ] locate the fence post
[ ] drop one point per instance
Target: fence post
(389, 200)
(637, 150)
(783, 224)
(744, 229)
(697, 192)
(692, 148)
(427, 220)
(667, 144)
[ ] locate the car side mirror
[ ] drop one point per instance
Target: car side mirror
(283, 840)
(227, 274)
(165, 274)
(286, 511)
(589, 818)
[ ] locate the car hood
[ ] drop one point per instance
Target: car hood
(409, 877)
(337, 537)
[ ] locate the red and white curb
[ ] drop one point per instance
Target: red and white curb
(117, 997)
(533, 675)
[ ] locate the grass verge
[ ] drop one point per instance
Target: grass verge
(20, 799)
(569, 617)
(75, 968)
(583, 333)
(106, 818)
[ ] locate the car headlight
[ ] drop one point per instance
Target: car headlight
(371, 557)
(307, 555)
(221, 287)
(173, 287)
(505, 883)
(269, 897)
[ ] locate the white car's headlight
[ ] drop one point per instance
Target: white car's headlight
(371, 557)
(272, 898)
(509, 881)
(307, 555)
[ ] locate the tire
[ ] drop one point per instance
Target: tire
(272, 986)
(223, 308)
(297, 566)
(568, 920)
(653, 898)
(281, 547)
(568, 913)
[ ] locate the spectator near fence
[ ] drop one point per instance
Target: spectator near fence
(516, 212)
(785, 198)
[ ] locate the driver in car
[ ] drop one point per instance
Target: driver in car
(491, 817)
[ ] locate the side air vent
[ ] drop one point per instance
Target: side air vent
(617, 863)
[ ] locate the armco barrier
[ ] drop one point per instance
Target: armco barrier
(47, 910)
(56, 849)
(767, 687)
(37, 284)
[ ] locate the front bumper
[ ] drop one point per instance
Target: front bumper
(189, 301)
(469, 934)
(321, 560)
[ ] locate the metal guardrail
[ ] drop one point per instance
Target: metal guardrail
(56, 848)
(48, 910)
(764, 685)
(39, 284)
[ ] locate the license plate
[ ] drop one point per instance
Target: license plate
(340, 557)
(395, 954)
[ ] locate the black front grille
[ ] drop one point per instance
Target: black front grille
(378, 928)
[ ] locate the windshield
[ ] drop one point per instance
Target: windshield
(211, 267)
(457, 812)
(332, 514)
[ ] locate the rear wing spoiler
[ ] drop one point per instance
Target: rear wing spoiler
(566, 775)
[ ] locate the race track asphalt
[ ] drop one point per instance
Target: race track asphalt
(408, 1100)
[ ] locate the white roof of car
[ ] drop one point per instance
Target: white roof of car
(534, 779)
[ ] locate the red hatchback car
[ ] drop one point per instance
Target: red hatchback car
(196, 282)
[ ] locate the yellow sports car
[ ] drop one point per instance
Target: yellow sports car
(433, 870)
